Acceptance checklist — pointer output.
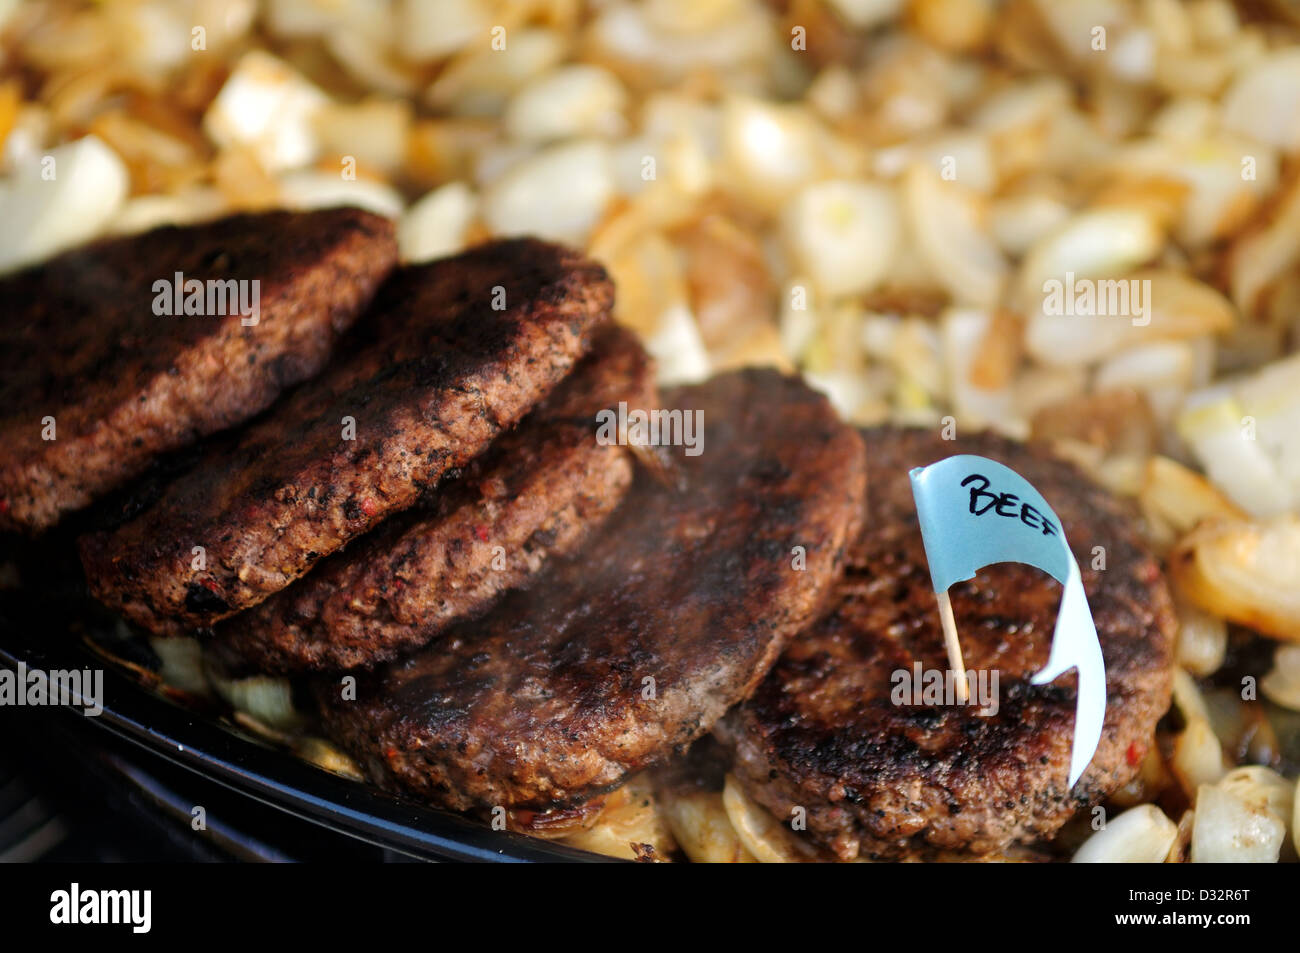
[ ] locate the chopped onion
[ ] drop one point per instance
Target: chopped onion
(1246, 572)
(844, 235)
(558, 193)
(1202, 640)
(429, 29)
(269, 107)
(769, 841)
(574, 100)
(435, 226)
(195, 204)
(1243, 433)
(43, 216)
(963, 329)
(182, 664)
(310, 189)
(944, 220)
(268, 699)
(1235, 825)
(703, 830)
(1198, 754)
(1141, 835)
(374, 132)
(628, 824)
(1178, 499)
(769, 150)
(1261, 104)
(1282, 684)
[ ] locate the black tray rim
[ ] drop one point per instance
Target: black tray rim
(274, 777)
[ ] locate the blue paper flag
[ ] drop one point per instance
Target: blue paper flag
(975, 512)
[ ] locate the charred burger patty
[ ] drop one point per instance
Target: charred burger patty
(616, 657)
(451, 354)
(537, 492)
(887, 780)
(91, 348)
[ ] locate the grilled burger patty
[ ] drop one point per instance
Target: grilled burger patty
(434, 372)
(537, 492)
(82, 342)
(884, 780)
(615, 657)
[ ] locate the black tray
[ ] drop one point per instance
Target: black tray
(268, 774)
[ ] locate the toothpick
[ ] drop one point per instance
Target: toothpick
(954, 647)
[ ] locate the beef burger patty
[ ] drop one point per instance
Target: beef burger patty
(537, 492)
(619, 655)
(450, 354)
(885, 780)
(86, 357)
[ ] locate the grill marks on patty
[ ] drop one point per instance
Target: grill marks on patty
(80, 342)
(537, 492)
(891, 781)
(430, 376)
(614, 658)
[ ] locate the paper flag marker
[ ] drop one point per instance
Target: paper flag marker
(975, 512)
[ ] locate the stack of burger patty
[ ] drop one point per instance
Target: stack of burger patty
(402, 479)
